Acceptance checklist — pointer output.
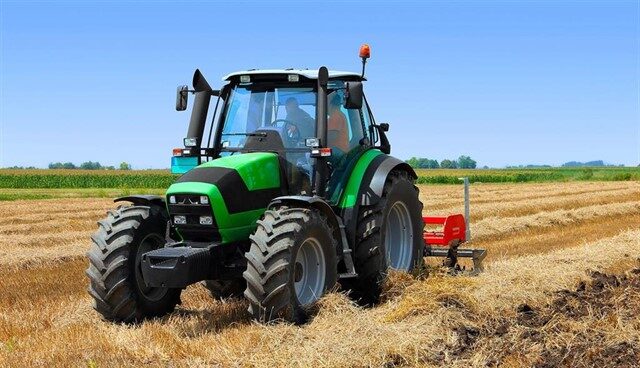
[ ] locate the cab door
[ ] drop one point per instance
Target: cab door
(348, 135)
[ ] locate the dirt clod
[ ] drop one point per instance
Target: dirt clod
(598, 305)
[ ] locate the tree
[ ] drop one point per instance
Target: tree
(448, 164)
(60, 165)
(125, 166)
(423, 163)
(90, 165)
(432, 164)
(466, 162)
(413, 162)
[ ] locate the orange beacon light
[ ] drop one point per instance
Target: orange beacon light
(365, 53)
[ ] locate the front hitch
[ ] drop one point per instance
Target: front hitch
(176, 267)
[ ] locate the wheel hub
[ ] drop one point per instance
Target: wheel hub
(297, 273)
(149, 243)
(309, 271)
(399, 237)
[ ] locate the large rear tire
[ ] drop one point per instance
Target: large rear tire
(292, 262)
(116, 285)
(389, 235)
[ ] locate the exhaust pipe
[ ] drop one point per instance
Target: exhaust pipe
(203, 94)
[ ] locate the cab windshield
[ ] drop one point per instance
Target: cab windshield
(288, 111)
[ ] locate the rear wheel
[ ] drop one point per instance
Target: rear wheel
(114, 272)
(290, 265)
(389, 236)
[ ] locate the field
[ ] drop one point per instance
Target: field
(562, 288)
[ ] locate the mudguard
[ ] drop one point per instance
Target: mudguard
(308, 201)
(371, 188)
(376, 176)
(343, 249)
(143, 200)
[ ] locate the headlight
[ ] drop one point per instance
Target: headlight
(172, 199)
(180, 220)
(204, 200)
(206, 220)
(190, 142)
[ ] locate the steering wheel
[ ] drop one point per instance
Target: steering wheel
(292, 137)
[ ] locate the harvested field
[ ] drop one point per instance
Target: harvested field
(558, 291)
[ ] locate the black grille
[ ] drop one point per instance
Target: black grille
(190, 206)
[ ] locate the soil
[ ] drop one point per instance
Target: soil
(547, 336)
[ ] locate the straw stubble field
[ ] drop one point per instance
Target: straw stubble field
(528, 308)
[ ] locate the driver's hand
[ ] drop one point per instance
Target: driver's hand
(291, 131)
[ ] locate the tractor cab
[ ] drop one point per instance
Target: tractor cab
(300, 115)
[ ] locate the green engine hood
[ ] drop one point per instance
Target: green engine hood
(239, 188)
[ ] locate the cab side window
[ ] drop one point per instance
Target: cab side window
(345, 128)
(369, 129)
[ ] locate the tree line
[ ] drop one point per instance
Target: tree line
(596, 163)
(89, 165)
(463, 162)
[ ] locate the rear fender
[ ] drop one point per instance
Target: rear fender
(371, 189)
(376, 176)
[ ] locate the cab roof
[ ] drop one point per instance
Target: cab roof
(307, 73)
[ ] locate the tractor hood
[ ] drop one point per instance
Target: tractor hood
(234, 190)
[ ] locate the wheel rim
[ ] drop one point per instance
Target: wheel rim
(148, 243)
(309, 272)
(399, 237)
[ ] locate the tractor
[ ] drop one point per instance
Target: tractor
(291, 191)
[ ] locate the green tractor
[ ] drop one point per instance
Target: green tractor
(292, 191)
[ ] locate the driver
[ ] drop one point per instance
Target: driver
(338, 136)
(302, 120)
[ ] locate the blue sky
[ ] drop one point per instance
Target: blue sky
(506, 82)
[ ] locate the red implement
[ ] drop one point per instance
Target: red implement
(453, 230)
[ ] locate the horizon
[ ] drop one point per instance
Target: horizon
(506, 83)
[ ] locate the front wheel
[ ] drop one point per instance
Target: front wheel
(114, 272)
(290, 265)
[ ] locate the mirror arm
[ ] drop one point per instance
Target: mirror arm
(385, 146)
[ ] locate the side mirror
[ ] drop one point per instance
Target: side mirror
(182, 95)
(384, 127)
(353, 95)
